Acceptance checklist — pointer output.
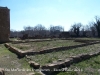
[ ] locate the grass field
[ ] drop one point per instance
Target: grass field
(36, 46)
(90, 67)
(88, 38)
(50, 57)
(10, 61)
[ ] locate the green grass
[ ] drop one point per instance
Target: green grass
(91, 66)
(6, 55)
(88, 38)
(50, 57)
(9, 60)
(36, 46)
(67, 73)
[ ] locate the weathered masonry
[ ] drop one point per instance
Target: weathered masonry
(4, 24)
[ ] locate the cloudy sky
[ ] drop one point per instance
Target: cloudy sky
(51, 12)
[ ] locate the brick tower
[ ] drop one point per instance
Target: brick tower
(4, 24)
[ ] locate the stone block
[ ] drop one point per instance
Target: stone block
(60, 64)
(68, 62)
(85, 56)
(34, 64)
(76, 59)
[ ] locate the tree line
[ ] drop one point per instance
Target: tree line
(93, 29)
(38, 31)
(76, 30)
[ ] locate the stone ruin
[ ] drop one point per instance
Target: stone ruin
(4, 24)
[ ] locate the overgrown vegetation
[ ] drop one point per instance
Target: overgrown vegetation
(90, 66)
(77, 30)
(54, 56)
(36, 46)
(10, 61)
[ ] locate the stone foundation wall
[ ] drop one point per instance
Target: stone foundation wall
(15, 50)
(58, 64)
(69, 61)
(21, 53)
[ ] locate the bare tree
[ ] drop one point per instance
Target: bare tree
(28, 30)
(55, 30)
(97, 25)
(93, 30)
(39, 27)
(84, 31)
(40, 30)
(76, 28)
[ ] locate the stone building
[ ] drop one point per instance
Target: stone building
(4, 24)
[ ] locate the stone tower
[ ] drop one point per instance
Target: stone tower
(4, 24)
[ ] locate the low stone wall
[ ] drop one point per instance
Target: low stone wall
(59, 64)
(67, 62)
(21, 53)
(55, 49)
(15, 50)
